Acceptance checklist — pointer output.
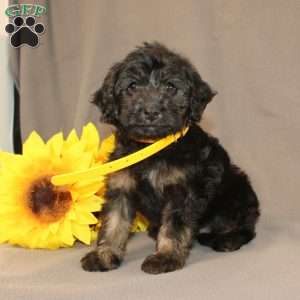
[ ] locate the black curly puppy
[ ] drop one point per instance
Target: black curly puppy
(190, 190)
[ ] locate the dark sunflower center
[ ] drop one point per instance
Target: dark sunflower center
(48, 202)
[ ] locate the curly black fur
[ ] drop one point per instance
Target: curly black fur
(188, 191)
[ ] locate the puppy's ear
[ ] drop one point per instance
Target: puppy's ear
(105, 97)
(202, 94)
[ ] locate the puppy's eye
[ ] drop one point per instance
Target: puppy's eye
(171, 87)
(132, 87)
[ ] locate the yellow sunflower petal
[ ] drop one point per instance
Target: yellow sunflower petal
(74, 151)
(42, 237)
(30, 240)
(71, 215)
(34, 145)
(53, 227)
(72, 138)
(75, 159)
(106, 148)
(90, 204)
(56, 144)
(140, 223)
(85, 218)
(4, 236)
(87, 188)
(91, 136)
(65, 233)
(82, 233)
(94, 235)
(6, 157)
(53, 242)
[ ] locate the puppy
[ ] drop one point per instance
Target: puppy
(188, 191)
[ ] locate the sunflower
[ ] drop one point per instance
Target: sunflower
(140, 223)
(36, 214)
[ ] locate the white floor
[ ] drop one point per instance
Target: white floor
(265, 269)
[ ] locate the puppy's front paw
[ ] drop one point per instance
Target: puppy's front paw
(162, 263)
(100, 260)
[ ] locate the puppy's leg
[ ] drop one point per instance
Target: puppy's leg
(234, 222)
(113, 235)
(174, 240)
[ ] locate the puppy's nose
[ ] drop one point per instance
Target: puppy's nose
(151, 115)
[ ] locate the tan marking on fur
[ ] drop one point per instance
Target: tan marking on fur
(186, 237)
(164, 243)
(206, 229)
(117, 227)
(121, 180)
(180, 246)
(164, 175)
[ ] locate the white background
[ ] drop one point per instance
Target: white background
(6, 86)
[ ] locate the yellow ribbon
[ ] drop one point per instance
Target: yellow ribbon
(118, 164)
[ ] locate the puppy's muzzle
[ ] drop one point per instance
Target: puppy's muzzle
(151, 115)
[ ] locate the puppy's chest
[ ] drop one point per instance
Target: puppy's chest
(161, 175)
(145, 179)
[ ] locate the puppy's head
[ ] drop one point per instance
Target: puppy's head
(153, 92)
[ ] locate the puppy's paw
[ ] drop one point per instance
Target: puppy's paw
(162, 263)
(225, 246)
(100, 260)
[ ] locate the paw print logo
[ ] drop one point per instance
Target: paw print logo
(24, 31)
